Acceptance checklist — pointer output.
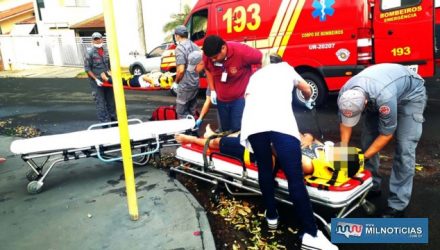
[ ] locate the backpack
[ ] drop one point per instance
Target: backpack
(164, 113)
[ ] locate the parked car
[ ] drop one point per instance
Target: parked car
(149, 63)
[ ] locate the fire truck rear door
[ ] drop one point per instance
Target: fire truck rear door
(404, 33)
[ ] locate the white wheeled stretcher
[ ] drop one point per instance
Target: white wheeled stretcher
(146, 138)
(215, 167)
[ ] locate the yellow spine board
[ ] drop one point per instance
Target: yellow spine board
(323, 170)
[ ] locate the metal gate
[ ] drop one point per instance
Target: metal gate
(44, 50)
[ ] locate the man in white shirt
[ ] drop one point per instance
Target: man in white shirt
(268, 122)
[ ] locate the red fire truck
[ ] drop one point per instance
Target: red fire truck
(327, 41)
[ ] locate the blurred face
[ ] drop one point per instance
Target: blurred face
(97, 40)
(220, 57)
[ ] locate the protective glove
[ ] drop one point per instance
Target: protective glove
(198, 123)
(174, 86)
(98, 82)
(213, 97)
(310, 104)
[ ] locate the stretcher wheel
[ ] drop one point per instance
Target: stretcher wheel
(146, 160)
(32, 176)
(157, 160)
(172, 173)
(328, 230)
(34, 187)
(215, 194)
(215, 199)
(369, 207)
(142, 160)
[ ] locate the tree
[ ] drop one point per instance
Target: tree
(176, 20)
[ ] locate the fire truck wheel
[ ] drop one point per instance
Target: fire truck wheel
(319, 90)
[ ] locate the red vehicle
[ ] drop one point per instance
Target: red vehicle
(327, 41)
(437, 32)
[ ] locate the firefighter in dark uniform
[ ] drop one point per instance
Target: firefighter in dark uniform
(97, 61)
(393, 99)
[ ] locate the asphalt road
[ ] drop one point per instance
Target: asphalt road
(84, 203)
(64, 105)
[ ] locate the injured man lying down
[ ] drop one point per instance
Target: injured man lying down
(230, 145)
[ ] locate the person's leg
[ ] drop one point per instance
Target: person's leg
(110, 103)
(181, 103)
(223, 112)
(288, 149)
(369, 133)
(230, 145)
(236, 114)
(263, 154)
(208, 131)
(134, 82)
(186, 99)
(192, 104)
(218, 121)
(408, 133)
(101, 109)
(185, 139)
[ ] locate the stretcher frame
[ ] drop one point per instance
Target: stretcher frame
(142, 149)
(206, 170)
(109, 85)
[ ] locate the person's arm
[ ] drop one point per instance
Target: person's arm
(88, 65)
(209, 79)
(150, 80)
(180, 72)
(205, 108)
(91, 75)
(181, 61)
(387, 109)
(305, 89)
(252, 56)
(104, 76)
(378, 144)
(345, 134)
(211, 85)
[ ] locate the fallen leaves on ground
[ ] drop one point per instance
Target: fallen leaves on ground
(243, 216)
(7, 127)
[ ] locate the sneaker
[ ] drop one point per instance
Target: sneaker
(272, 224)
(373, 194)
(390, 212)
(319, 242)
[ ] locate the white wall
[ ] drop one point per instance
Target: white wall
(55, 12)
(156, 14)
(7, 4)
(155, 17)
(126, 29)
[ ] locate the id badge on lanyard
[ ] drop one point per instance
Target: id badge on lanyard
(224, 76)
